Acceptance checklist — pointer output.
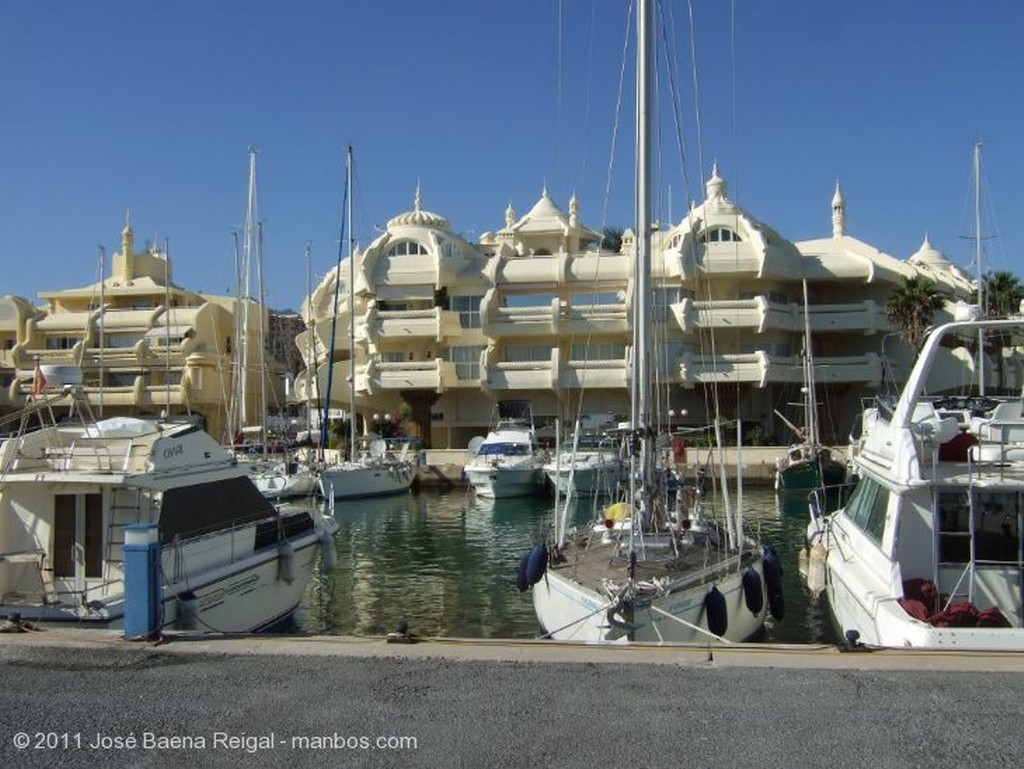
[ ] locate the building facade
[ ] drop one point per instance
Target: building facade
(139, 344)
(443, 327)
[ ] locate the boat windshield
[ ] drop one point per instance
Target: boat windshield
(506, 449)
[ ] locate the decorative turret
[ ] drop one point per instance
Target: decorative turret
(510, 215)
(127, 247)
(838, 213)
(716, 187)
(418, 216)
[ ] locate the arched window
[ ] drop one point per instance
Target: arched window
(719, 235)
(406, 248)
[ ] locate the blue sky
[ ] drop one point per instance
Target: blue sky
(152, 106)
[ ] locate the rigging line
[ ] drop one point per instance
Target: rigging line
(735, 119)
(558, 103)
(587, 95)
(671, 59)
(618, 112)
(696, 91)
(326, 405)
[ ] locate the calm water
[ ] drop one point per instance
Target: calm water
(446, 563)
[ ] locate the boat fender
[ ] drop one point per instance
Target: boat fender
(773, 582)
(536, 564)
(188, 611)
(328, 555)
(521, 581)
(286, 562)
(716, 611)
(753, 591)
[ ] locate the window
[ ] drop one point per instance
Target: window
(664, 297)
(406, 248)
(467, 361)
(719, 235)
(60, 342)
(468, 308)
(392, 357)
(120, 340)
(867, 507)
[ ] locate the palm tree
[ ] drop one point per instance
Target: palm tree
(910, 308)
(1003, 294)
(611, 239)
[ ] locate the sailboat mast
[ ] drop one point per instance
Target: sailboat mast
(262, 309)
(977, 261)
(811, 399)
(103, 259)
(311, 372)
(351, 317)
(640, 410)
(245, 294)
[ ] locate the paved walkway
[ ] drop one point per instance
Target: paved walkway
(86, 698)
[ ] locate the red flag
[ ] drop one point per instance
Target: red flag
(38, 380)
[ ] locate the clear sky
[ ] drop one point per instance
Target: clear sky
(152, 106)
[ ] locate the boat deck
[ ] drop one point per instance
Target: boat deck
(675, 559)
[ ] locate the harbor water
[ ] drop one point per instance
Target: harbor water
(445, 563)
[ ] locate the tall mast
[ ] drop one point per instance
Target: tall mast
(351, 317)
(103, 254)
(977, 261)
(245, 292)
(311, 367)
(262, 309)
(640, 411)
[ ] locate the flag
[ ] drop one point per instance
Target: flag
(38, 380)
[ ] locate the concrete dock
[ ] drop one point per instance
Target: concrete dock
(86, 698)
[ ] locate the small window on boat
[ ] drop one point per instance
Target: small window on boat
(867, 507)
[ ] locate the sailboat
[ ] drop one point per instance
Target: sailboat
(371, 469)
(639, 576)
(808, 464)
(275, 477)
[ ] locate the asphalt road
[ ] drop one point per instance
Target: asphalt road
(366, 704)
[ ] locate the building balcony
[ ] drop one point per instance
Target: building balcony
(760, 315)
(555, 319)
(434, 324)
(762, 369)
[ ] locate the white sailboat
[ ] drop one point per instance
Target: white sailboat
(276, 477)
(591, 465)
(641, 577)
(371, 469)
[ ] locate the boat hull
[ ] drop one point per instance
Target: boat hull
(359, 481)
(505, 482)
(570, 611)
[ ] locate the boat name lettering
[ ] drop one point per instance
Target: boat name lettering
(174, 451)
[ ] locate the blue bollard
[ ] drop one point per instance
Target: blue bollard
(141, 581)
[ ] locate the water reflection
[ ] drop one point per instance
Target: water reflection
(446, 563)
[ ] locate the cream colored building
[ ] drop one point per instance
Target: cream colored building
(140, 344)
(537, 310)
